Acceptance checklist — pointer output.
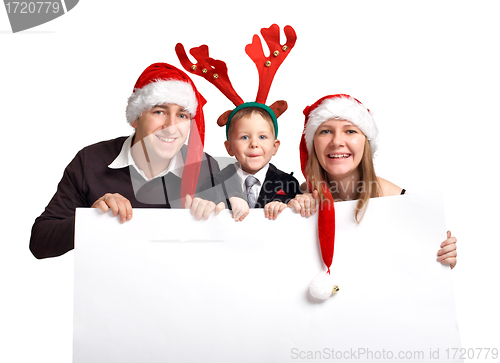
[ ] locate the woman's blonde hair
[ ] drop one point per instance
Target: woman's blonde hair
(367, 188)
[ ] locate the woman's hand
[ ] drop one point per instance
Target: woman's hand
(447, 255)
(118, 204)
(305, 204)
(239, 207)
(201, 208)
(272, 209)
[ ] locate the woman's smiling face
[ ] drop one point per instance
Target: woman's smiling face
(339, 146)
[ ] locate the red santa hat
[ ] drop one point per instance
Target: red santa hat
(162, 83)
(342, 107)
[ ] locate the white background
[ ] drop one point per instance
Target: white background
(429, 71)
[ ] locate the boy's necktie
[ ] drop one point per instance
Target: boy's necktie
(249, 183)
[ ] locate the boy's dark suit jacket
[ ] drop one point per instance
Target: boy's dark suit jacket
(278, 186)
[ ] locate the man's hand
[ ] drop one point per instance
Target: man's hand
(118, 204)
(201, 208)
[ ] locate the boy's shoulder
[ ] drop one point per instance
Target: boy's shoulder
(278, 186)
(274, 173)
(226, 173)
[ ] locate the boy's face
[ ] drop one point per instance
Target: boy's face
(252, 142)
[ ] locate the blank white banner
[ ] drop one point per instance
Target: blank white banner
(167, 288)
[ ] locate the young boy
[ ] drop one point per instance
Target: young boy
(252, 182)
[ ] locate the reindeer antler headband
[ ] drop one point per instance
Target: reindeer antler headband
(215, 71)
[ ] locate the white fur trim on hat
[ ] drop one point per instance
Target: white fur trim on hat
(345, 108)
(160, 92)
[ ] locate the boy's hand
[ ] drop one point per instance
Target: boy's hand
(272, 209)
(305, 204)
(447, 255)
(239, 207)
(201, 208)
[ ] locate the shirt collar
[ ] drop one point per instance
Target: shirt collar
(260, 175)
(125, 159)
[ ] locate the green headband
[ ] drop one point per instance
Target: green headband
(258, 105)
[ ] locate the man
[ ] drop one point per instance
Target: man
(152, 168)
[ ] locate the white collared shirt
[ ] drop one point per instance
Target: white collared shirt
(125, 159)
(260, 176)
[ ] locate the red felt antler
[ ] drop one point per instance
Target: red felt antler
(214, 71)
(267, 66)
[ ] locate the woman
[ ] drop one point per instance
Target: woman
(339, 139)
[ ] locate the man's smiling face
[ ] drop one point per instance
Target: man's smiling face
(163, 129)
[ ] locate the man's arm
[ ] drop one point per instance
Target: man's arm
(53, 231)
